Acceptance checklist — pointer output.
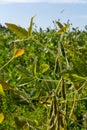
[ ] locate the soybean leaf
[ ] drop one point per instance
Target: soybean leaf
(1, 91)
(23, 70)
(1, 117)
(64, 29)
(61, 31)
(44, 68)
(30, 27)
(19, 52)
(22, 123)
(73, 117)
(35, 66)
(72, 76)
(19, 31)
(5, 85)
(59, 24)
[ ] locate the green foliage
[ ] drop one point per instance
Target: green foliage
(43, 78)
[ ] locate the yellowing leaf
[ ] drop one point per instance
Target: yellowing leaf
(5, 85)
(61, 128)
(77, 77)
(73, 117)
(1, 91)
(1, 117)
(19, 52)
(45, 106)
(19, 31)
(64, 29)
(60, 31)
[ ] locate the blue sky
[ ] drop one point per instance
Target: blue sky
(45, 11)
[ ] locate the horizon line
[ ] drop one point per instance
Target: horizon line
(44, 1)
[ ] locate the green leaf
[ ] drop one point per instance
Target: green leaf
(1, 91)
(70, 75)
(19, 31)
(23, 70)
(22, 96)
(59, 24)
(62, 49)
(34, 69)
(22, 123)
(30, 27)
(35, 66)
(26, 80)
(77, 77)
(44, 68)
(1, 117)
(36, 122)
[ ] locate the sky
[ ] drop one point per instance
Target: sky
(45, 11)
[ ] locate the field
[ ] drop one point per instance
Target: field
(43, 78)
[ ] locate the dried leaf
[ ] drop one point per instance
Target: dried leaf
(73, 117)
(5, 85)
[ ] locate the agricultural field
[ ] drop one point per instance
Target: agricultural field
(43, 78)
